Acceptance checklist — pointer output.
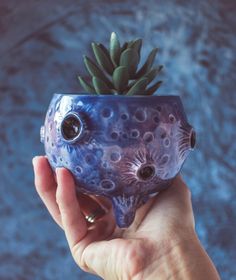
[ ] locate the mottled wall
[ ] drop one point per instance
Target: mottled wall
(41, 47)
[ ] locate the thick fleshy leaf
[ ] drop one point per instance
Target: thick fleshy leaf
(120, 78)
(94, 70)
(104, 49)
(151, 75)
(100, 86)
(136, 45)
(86, 86)
(152, 89)
(130, 59)
(114, 49)
(102, 58)
(124, 47)
(139, 87)
(147, 65)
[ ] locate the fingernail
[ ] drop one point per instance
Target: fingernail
(34, 159)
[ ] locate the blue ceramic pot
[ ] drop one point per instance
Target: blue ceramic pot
(126, 148)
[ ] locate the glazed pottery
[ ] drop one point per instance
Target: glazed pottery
(126, 148)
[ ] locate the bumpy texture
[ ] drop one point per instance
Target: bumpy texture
(124, 148)
(41, 50)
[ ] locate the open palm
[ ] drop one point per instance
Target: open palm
(104, 249)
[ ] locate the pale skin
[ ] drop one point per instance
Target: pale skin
(161, 243)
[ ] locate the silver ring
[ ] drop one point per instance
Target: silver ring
(91, 218)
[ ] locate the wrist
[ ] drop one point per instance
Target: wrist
(180, 258)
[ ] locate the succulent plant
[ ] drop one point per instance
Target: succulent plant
(116, 70)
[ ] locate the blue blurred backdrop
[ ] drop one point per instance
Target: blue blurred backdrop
(41, 48)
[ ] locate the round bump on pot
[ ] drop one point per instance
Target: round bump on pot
(106, 112)
(164, 159)
(134, 133)
(90, 159)
(114, 135)
(172, 118)
(79, 169)
(167, 142)
(148, 137)
(107, 185)
(156, 119)
(124, 116)
(140, 115)
(115, 156)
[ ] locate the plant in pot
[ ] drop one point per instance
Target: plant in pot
(119, 139)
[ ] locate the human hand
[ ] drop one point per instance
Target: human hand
(161, 240)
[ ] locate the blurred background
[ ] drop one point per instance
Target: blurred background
(41, 48)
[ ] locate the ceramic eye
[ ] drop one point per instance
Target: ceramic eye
(71, 127)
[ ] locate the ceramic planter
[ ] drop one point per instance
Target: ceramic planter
(126, 148)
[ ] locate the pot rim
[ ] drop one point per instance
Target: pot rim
(114, 96)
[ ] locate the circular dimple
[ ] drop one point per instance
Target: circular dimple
(78, 169)
(105, 165)
(47, 139)
(146, 172)
(158, 108)
(107, 184)
(106, 112)
(135, 133)
(140, 115)
(148, 137)
(124, 116)
(172, 118)
(156, 119)
(115, 156)
(124, 135)
(167, 142)
(89, 158)
(163, 135)
(114, 135)
(52, 144)
(164, 159)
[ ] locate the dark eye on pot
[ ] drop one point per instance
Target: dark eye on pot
(71, 127)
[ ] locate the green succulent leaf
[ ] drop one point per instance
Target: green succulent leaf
(148, 64)
(120, 78)
(152, 89)
(139, 87)
(103, 58)
(94, 70)
(100, 86)
(130, 59)
(86, 86)
(136, 45)
(124, 47)
(114, 49)
(151, 75)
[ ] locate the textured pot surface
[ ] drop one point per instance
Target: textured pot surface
(124, 148)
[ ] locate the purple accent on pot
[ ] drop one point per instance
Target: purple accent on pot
(124, 148)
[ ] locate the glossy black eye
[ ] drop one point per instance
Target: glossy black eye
(71, 127)
(146, 172)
